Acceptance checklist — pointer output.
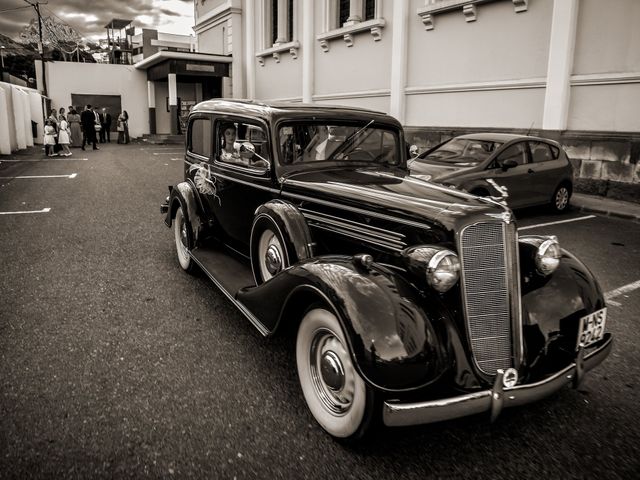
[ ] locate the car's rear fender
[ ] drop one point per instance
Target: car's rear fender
(184, 195)
(397, 344)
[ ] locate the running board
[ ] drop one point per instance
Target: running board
(229, 275)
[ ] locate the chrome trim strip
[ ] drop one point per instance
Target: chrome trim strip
(357, 210)
(243, 182)
(395, 414)
(256, 323)
(359, 237)
(356, 225)
(356, 229)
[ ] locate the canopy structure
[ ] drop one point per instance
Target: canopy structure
(119, 32)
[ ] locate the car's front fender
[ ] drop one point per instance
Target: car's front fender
(553, 305)
(396, 344)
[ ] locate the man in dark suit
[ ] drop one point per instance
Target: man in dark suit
(106, 126)
(88, 121)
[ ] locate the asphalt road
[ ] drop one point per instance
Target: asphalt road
(114, 363)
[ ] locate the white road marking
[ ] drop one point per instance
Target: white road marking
(559, 221)
(44, 210)
(621, 291)
(166, 153)
(73, 175)
(66, 159)
(176, 159)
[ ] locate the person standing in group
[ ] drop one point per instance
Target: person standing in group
(98, 124)
(126, 126)
(49, 139)
(120, 128)
(105, 133)
(63, 136)
(74, 128)
(61, 115)
(88, 120)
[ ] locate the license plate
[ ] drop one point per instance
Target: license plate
(592, 328)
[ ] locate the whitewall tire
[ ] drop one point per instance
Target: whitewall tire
(335, 393)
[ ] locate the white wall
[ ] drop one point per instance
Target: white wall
(67, 78)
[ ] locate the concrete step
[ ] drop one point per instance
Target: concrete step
(163, 139)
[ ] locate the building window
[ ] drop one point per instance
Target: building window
(343, 12)
(349, 12)
(280, 13)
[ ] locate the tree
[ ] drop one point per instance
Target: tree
(63, 41)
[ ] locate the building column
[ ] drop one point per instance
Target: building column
(308, 49)
(399, 60)
(281, 36)
(173, 103)
(250, 48)
(238, 71)
(151, 98)
(561, 48)
(355, 12)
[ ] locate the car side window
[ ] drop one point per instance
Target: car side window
(200, 137)
(242, 144)
(540, 152)
(516, 152)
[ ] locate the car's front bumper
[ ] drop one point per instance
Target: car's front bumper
(402, 414)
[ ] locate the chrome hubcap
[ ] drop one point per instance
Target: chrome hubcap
(332, 372)
(273, 259)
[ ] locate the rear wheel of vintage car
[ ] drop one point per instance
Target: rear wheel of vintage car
(182, 233)
(561, 197)
(269, 255)
(335, 393)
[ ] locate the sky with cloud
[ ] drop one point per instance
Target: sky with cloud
(89, 17)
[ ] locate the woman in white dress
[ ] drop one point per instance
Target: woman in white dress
(63, 137)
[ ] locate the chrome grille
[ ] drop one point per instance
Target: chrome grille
(485, 288)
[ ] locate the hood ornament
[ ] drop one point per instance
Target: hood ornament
(506, 217)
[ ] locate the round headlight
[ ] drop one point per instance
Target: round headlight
(443, 270)
(548, 256)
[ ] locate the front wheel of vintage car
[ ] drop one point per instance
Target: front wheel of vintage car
(183, 241)
(335, 393)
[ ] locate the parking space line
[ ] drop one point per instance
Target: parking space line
(73, 175)
(630, 287)
(44, 210)
(67, 159)
(556, 223)
(167, 153)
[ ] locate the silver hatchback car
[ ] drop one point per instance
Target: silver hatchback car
(526, 170)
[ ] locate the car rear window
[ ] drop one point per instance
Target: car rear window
(200, 137)
(542, 152)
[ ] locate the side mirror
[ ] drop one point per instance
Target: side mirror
(413, 151)
(507, 164)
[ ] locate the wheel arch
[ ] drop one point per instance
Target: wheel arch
(184, 195)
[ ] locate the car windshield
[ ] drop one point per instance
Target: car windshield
(333, 142)
(461, 152)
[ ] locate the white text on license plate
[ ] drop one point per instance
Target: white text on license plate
(592, 328)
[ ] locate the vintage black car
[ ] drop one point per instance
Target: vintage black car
(413, 302)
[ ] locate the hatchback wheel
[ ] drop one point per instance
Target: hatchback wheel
(561, 197)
